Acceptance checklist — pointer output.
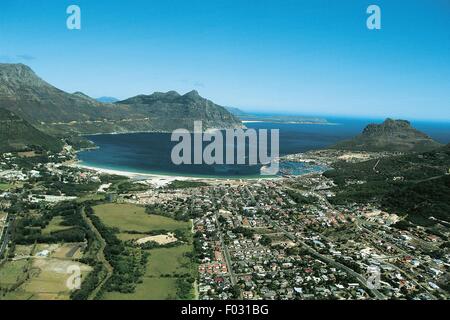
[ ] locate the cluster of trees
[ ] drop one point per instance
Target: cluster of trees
(198, 253)
(265, 240)
(299, 198)
(421, 200)
(89, 283)
(246, 232)
(128, 262)
(184, 287)
(181, 214)
(28, 230)
(128, 186)
(28, 163)
(177, 184)
(154, 245)
(71, 189)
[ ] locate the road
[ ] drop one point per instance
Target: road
(226, 252)
(6, 234)
(251, 195)
(100, 255)
(375, 166)
(4, 226)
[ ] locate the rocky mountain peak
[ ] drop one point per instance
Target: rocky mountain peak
(391, 135)
(18, 74)
(192, 94)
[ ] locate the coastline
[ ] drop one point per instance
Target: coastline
(128, 174)
(162, 178)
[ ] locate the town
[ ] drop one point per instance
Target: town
(252, 239)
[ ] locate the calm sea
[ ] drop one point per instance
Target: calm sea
(150, 152)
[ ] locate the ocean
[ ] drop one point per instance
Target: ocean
(150, 153)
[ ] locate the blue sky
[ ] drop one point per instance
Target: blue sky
(303, 57)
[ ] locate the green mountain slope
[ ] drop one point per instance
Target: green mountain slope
(18, 135)
(391, 135)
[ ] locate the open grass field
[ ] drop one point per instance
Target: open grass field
(47, 276)
(69, 251)
(17, 295)
(10, 272)
(168, 261)
(158, 282)
(47, 286)
(55, 225)
(149, 289)
(128, 236)
(4, 186)
(48, 279)
(162, 261)
(129, 217)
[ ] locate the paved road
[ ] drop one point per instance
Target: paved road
(375, 166)
(226, 252)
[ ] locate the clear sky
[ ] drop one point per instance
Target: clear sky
(312, 57)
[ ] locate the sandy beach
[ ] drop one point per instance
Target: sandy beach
(155, 179)
(159, 180)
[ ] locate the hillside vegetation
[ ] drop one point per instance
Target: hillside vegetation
(17, 134)
(417, 185)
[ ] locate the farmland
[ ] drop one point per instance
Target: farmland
(38, 277)
(11, 272)
(127, 217)
(159, 281)
(165, 265)
(55, 225)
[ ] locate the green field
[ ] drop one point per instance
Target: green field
(168, 261)
(4, 186)
(149, 289)
(44, 279)
(128, 217)
(158, 282)
(11, 271)
(55, 225)
(128, 236)
(163, 261)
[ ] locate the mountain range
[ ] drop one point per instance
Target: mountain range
(45, 111)
(60, 113)
(391, 135)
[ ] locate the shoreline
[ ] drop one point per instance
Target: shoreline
(156, 177)
(242, 121)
